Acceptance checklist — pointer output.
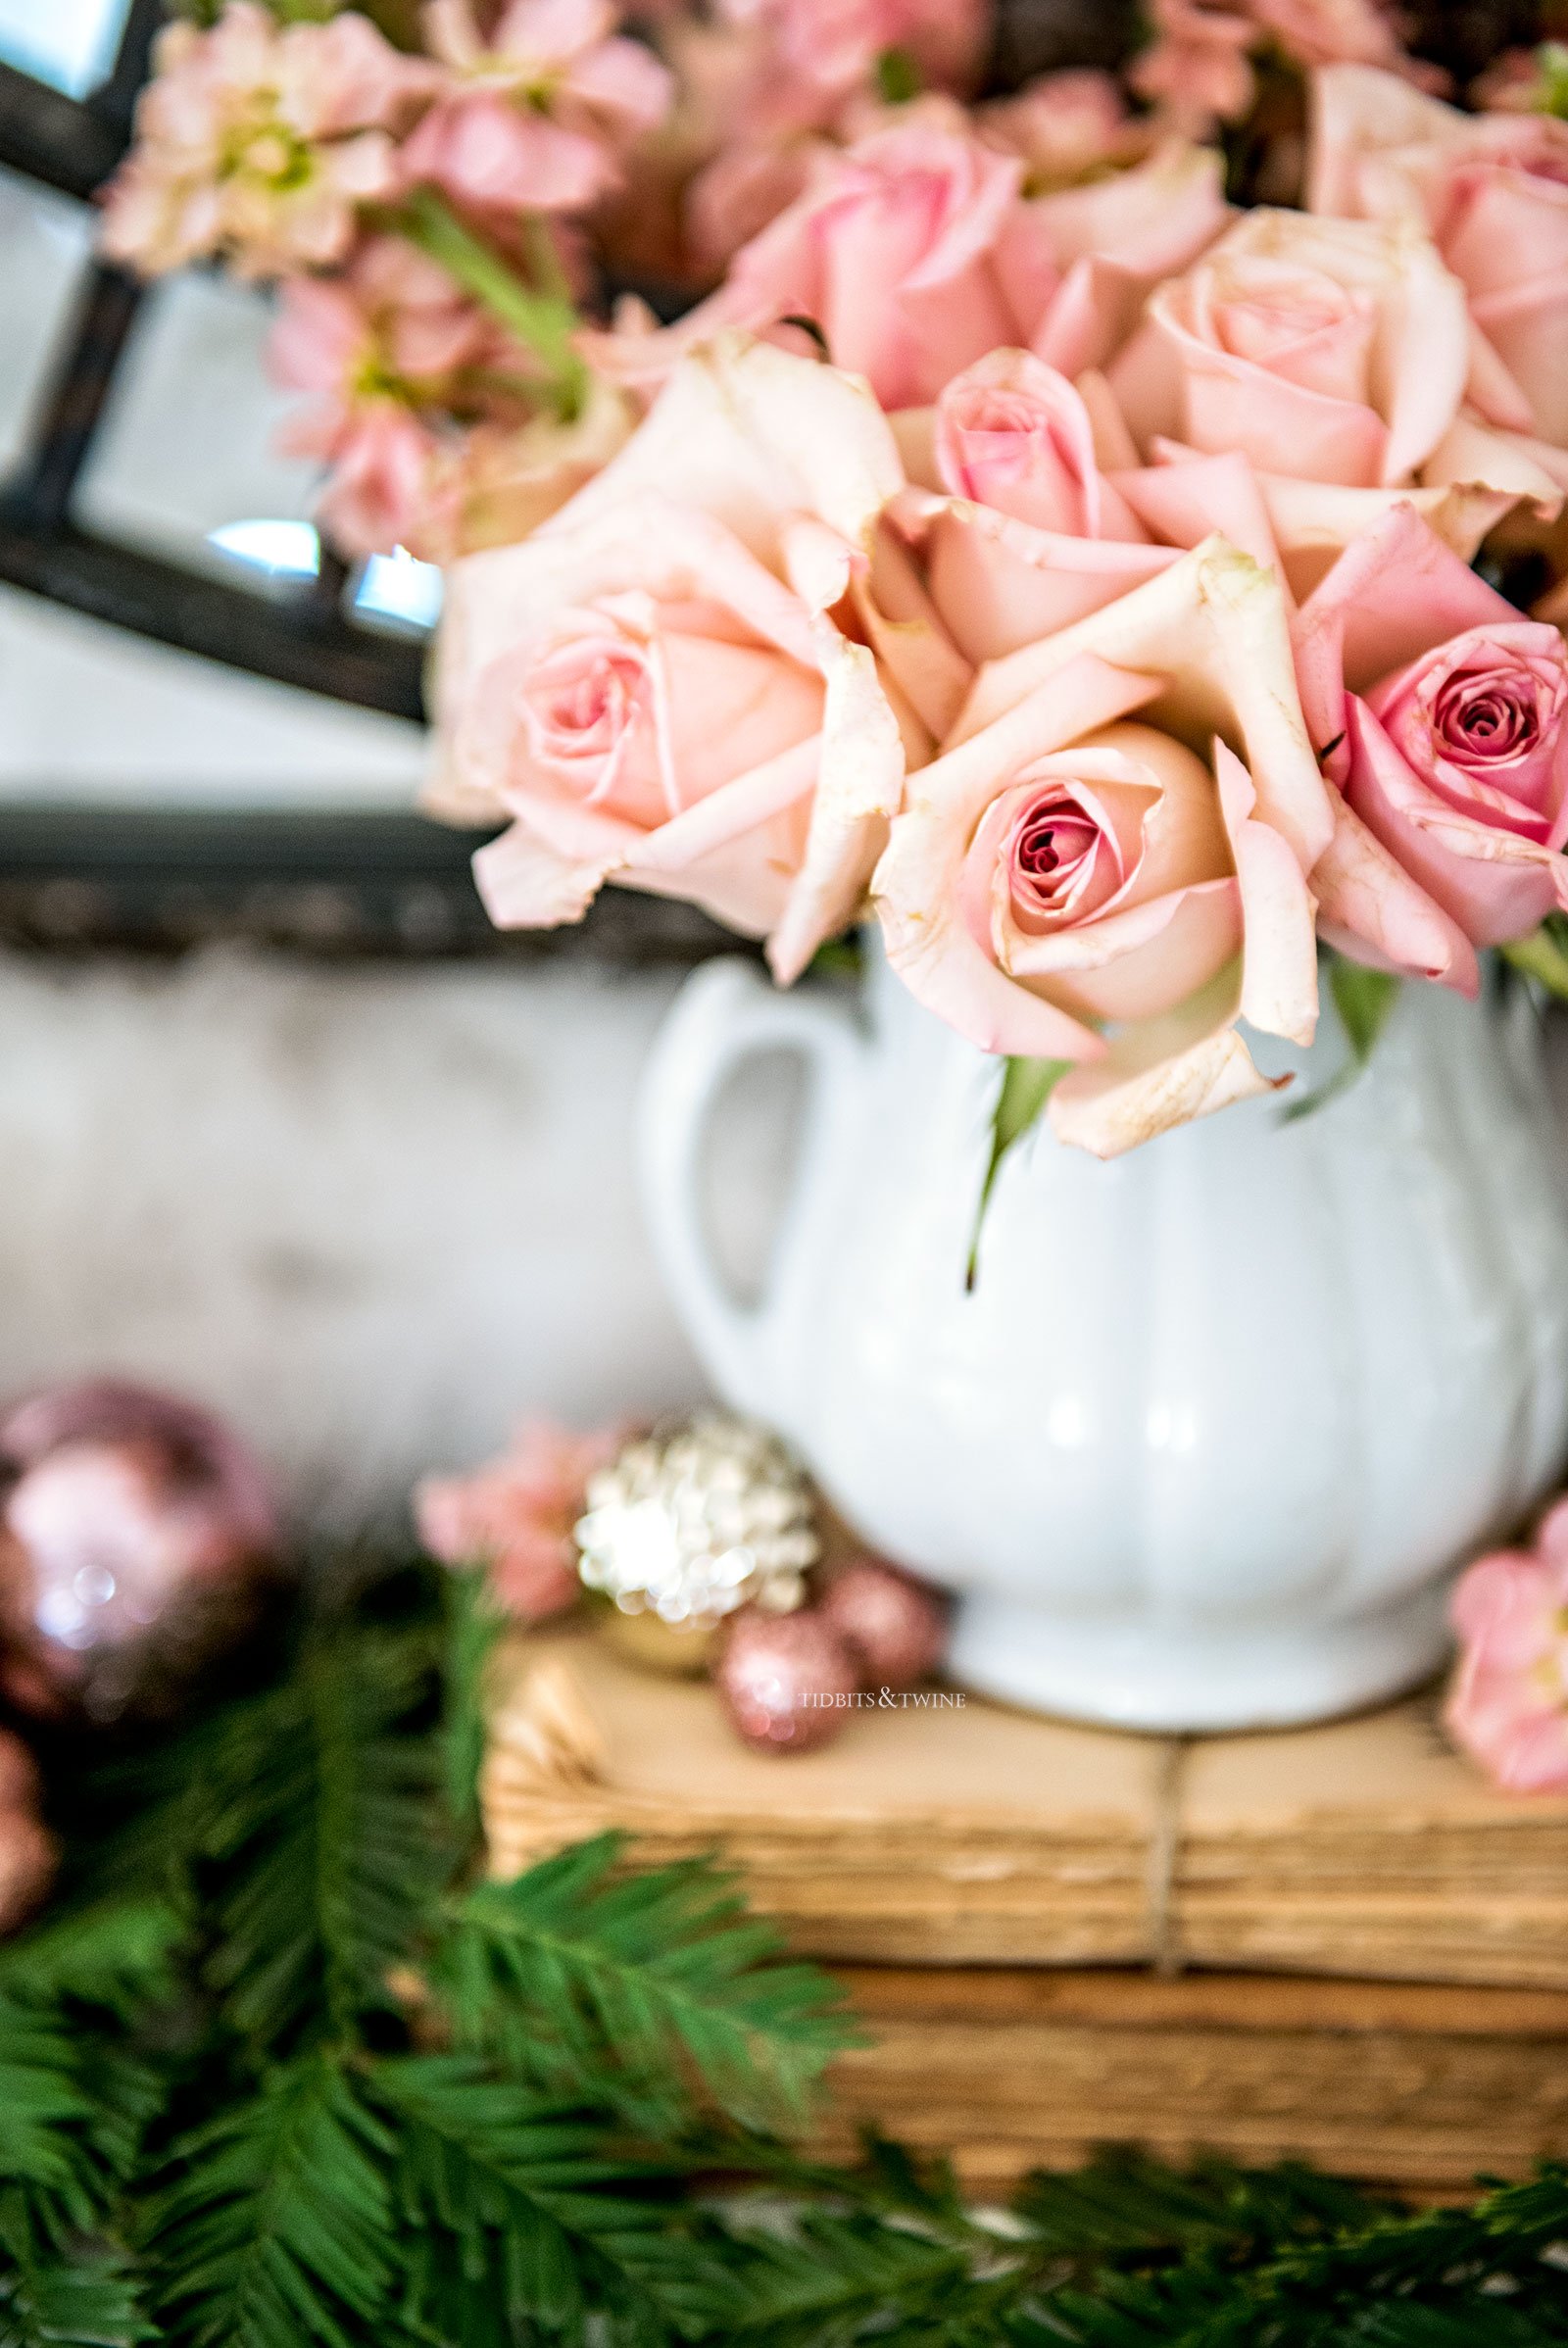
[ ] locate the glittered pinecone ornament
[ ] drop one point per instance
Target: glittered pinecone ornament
(691, 1523)
(895, 1628)
(138, 1540)
(786, 1681)
(26, 1848)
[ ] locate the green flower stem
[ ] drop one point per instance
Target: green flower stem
(545, 323)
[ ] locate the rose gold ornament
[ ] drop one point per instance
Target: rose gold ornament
(26, 1848)
(136, 1535)
(895, 1628)
(786, 1681)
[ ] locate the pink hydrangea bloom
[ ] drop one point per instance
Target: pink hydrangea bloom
(1508, 1706)
(515, 1516)
(534, 117)
(258, 142)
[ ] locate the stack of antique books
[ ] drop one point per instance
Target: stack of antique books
(1338, 1943)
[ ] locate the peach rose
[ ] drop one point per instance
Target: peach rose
(1442, 718)
(1508, 1706)
(652, 685)
(1334, 351)
(1060, 872)
(1020, 530)
(1492, 193)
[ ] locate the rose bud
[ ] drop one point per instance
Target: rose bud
(136, 1537)
(895, 1628)
(786, 1679)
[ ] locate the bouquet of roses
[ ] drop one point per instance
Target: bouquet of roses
(1134, 600)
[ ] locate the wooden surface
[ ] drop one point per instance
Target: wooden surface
(1006, 2069)
(980, 1836)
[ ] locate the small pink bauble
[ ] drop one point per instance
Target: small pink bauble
(136, 1537)
(786, 1681)
(895, 1628)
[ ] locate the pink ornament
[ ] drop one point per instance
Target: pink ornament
(895, 1628)
(26, 1848)
(786, 1681)
(135, 1535)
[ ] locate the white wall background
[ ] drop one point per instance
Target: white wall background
(376, 1213)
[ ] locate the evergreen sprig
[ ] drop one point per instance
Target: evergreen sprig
(282, 2072)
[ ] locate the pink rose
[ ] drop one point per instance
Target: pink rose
(1508, 1704)
(914, 253)
(515, 1516)
(836, 45)
(1029, 535)
(1441, 715)
(538, 112)
(258, 142)
(1057, 866)
(1334, 351)
(1492, 193)
(657, 687)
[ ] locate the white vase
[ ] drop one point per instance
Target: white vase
(1203, 1444)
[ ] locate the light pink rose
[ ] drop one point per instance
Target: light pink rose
(1508, 1704)
(1492, 193)
(657, 685)
(1057, 867)
(1332, 351)
(1024, 534)
(515, 1516)
(1441, 716)
(258, 142)
(539, 113)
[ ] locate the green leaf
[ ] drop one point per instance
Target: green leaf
(1363, 999)
(642, 1979)
(1026, 1087)
(277, 2225)
(1544, 955)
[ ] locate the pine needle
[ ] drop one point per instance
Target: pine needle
(659, 1975)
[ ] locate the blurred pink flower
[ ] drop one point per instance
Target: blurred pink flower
(1508, 1706)
(515, 1516)
(373, 346)
(535, 117)
(837, 45)
(1066, 127)
(1197, 69)
(258, 142)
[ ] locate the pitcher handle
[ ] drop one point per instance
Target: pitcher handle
(725, 1013)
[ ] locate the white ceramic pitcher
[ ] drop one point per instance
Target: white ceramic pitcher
(1218, 1418)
